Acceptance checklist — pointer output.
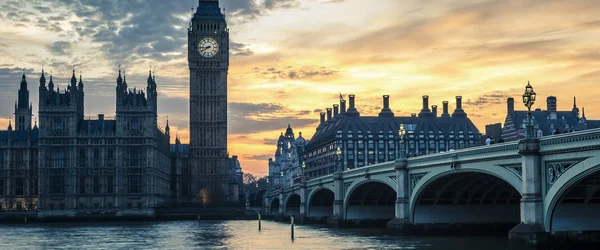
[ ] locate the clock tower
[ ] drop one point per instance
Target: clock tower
(208, 58)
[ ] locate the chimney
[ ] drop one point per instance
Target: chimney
(386, 101)
(434, 110)
(352, 109)
(386, 111)
(101, 117)
(328, 114)
(551, 103)
(413, 115)
(342, 106)
(322, 118)
(445, 109)
(459, 112)
(510, 105)
(425, 104)
(425, 112)
(336, 109)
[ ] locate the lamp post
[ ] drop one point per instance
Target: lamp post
(268, 188)
(338, 153)
(401, 134)
(529, 100)
(303, 169)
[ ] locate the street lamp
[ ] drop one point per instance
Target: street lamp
(303, 168)
(528, 100)
(401, 134)
(338, 152)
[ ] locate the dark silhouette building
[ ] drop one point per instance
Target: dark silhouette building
(365, 140)
(545, 122)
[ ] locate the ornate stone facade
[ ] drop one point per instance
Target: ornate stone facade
(208, 58)
(118, 165)
(18, 158)
(286, 168)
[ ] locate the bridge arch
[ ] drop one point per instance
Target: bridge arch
(467, 196)
(370, 200)
(320, 203)
(573, 201)
(292, 205)
(274, 206)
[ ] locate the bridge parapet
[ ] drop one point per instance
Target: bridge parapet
(570, 142)
(481, 153)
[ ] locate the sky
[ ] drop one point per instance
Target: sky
(290, 59)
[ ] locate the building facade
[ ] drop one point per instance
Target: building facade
(545, 122)
(86, 165)
(286, 167)
(208, 58)
(18, 158)
(365, 140)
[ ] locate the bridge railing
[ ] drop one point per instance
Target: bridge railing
(585, 139)
(500, 150)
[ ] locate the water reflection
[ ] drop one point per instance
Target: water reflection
(222, 235)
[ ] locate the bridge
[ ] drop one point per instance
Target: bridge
(536, 186)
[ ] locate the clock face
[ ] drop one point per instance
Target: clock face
(208, 47)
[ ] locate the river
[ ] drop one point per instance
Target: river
(222, 235)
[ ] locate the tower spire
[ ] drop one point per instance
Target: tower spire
(73, 80)
(80, 85)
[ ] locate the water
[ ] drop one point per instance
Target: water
(222, 235)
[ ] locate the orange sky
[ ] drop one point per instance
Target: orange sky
(292, 60)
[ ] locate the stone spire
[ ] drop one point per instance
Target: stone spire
(73, 81)
(80, 85)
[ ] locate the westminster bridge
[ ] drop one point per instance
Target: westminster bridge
(543, 186)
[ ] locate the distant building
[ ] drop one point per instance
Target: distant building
(286, 167)
(545, 122)
(236, 181)
(19, 158)
(181, 182)
(98, 164)
(494, 131)
(366, 140)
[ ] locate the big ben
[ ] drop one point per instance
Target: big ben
(208, 58)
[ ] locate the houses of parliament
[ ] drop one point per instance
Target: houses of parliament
(71, 165)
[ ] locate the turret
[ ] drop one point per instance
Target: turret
(23, 110)
(80, 85)
(167, 128)
(73, 86)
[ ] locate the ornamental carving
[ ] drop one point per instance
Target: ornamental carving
(414, 179)
(555, 169)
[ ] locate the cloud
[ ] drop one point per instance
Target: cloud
(296, 73)
(247, 118)
(262, 157)
(61, 48)
(239, 49)
(495, 98)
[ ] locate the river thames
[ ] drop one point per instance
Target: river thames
(222, 235)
